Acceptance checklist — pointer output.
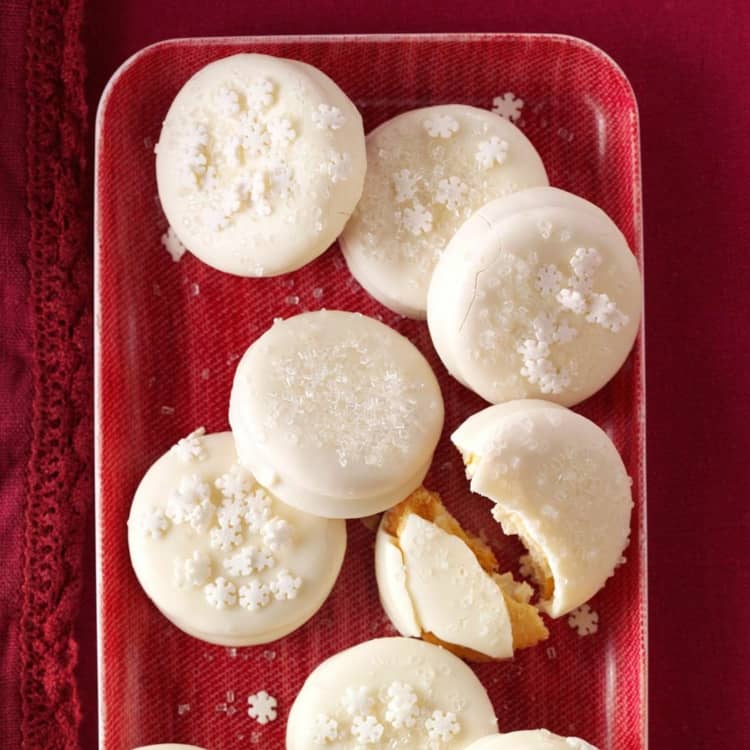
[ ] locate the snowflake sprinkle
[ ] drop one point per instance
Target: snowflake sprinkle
(225, 538)
(548, 280)
(242, 563)
(257, 510)
(285, 585)
(153, 522)
(254, 595)
(172, 244)
(190, 448)
(325, 729)
(185, 503)
(494, 151)
(405, 183)
(281, 132)
(442, 126)
(584, 620)
(338, 167)
(196, 569)
(262, 707)
(235, 483)
(508, 106)
(451, 192)
(367, 729)
(402, 709)
(327, 117)
(227, 101)
(231, 512)
(276, 533)
(221, 593)
(417, 220)
(442, 726)
(260, 94)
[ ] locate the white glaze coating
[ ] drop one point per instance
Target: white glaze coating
(221, 558)
(336, 413)
(441, 589)
(558, 482)
(409, 694)
(536, 739)
(441, 179)
(536, 295)
(260, 162)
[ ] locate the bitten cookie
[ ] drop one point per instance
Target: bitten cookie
(559, 484)
(220, 556)
(440, 583)
(537, 739)
(428, 170)
(336, 413)
(390, 692)
(536, 295)
(259, 164)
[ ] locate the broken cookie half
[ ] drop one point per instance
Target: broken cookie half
(439, 583)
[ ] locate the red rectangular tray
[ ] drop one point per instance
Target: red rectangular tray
(169, 334)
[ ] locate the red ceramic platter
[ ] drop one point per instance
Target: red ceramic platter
(169, 335)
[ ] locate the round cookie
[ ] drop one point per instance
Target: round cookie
(259, 164)
(390, 692)
(428, 170)
(537, 295)
(536, 739)
(336, 413)
(222, 558)
(557, 482)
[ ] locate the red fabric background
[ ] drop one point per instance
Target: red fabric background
(687, 63)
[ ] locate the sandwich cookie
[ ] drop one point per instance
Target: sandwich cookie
(219, 555)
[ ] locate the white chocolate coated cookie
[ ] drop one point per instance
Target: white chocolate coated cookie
(537, 295)
(222, 558)
(559, 483)
(535, 739)
(390, 692)
(260, 162)
(428, 170)
(336, 413)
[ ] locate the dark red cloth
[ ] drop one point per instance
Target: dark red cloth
(687, 63)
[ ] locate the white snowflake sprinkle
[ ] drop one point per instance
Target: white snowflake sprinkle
(494, 151)
(260, 94)
(532, 349)
(185, 502)
(221, 593)
(281, 131)
(565, 333)
(227, 101)
(573, 300)
(585, 261)
(402, 709)
(225, 538)
(603, 311)
(172, 244)
(442, 726)
(367, 729)
(357, 701)
(242, 563)
(441, 126)
(327, 117)
(254, 595)
(508, 106)
(255, 137)
(584, 620)
(257, 510)
(548, 280)
(451, 193)
(405, 183)
(417, 220)
(282, 180)
(262, 707)
(196, 569)
(285, 585)
(325, 730)
(338, 166)
(190, 448)
(231, 512)
(544, 328)
(276, 533)
(153, 522)
(236, 483)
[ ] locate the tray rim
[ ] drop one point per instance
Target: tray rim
(467, 37)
